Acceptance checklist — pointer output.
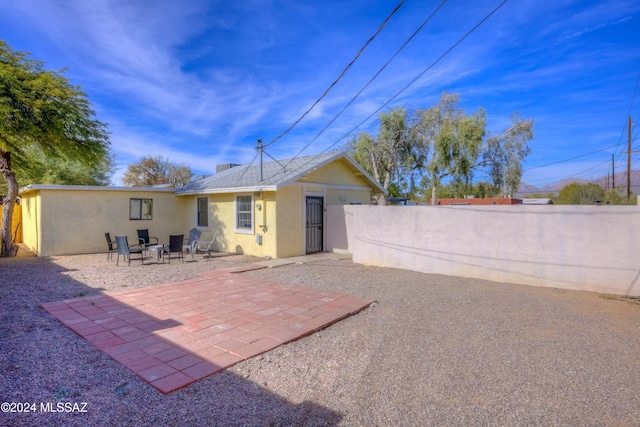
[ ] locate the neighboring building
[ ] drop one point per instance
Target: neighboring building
(478, 201)
(542, 201)
(279, 212)
(401, 201)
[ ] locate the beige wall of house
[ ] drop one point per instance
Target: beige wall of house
(279, 217)
(31, 211)
(222, 215)
(290, 211)
(587, 248)
(339, 184)
(337, 172)
(61, 220)
(73, 220)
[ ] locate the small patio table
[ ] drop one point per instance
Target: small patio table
(156, 251)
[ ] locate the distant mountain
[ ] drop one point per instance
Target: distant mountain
(620, 182)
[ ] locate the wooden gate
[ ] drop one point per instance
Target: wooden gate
(16, 220)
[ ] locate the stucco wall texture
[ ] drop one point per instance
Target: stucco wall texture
(64, 220)
(588, 248)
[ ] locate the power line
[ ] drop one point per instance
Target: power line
(410, 83)
(372, 78)
(432, 64)
(247, 168)
(624, 127)
(604, 165)
(633, 99)
(340, 76)
(572, 158)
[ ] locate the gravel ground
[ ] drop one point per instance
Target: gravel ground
(434, 350)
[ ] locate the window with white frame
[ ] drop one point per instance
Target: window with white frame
(244, 214)
(202, 206)
(140, 209)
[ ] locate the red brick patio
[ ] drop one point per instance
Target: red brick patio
(174, 334)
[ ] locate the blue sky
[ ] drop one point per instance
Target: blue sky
(200, 81)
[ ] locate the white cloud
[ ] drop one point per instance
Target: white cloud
(202, 80)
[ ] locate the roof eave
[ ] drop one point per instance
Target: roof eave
(227, 190)
(37, 187)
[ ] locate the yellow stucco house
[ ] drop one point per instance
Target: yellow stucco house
(275, 210)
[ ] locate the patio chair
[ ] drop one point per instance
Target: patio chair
(175, 247)
(126, 250)
(204, 245)
(144, 239)
(111, 245)
(194, 235)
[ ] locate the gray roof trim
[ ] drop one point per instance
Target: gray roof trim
(246, 177)
(228, 190)
(332, 186)
(37, 187)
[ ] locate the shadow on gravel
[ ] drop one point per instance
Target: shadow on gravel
(62, 379)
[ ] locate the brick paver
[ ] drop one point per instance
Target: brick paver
(174, 334)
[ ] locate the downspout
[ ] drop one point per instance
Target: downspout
(263, 226)
(264, 213)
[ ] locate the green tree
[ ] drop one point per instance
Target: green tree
(482, 189)
(505, 152)
(156, 170)
(580, 194)
(392, 155)
(443, 142)
(456, 146)
(589, 194)
(615, 197)
(41, 110)
(451, 142)
(44, 169)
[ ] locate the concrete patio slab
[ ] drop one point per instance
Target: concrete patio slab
(174, 334)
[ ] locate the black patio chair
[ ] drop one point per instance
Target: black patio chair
(144, 239)
(175, 247)
(126, 250)
(111, 245)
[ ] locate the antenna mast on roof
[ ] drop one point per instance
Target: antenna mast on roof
(260, 148)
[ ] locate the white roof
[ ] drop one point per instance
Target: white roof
(542, 201)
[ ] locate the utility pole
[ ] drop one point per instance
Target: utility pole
(629, 151)
(613, 172)
(629, 163)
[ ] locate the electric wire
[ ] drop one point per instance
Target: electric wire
(617, 156)
(407, 85)
(247, 168)
(571, 158)
(348, 104)
(341, 74)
